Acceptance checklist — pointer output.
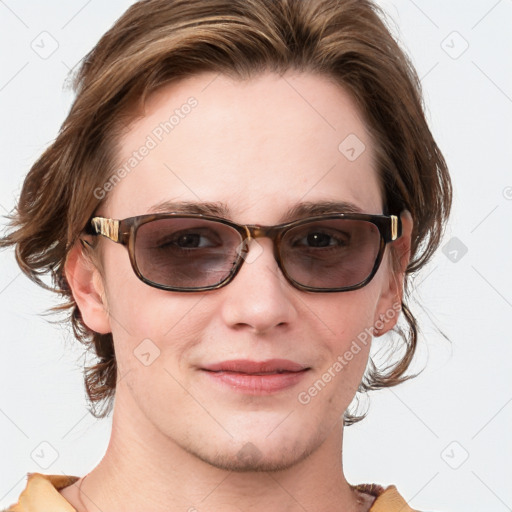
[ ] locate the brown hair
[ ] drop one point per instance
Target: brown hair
(159, 41)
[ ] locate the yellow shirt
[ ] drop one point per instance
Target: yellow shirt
(42, 495)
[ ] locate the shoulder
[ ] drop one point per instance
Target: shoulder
(387, 499)
(41, 492)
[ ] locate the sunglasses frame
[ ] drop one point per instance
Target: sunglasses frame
(124, 232)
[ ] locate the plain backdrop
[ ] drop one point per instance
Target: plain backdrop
(443, 438)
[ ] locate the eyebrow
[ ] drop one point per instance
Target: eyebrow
(220, 209)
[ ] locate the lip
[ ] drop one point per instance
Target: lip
(256, 377)
(252, 367)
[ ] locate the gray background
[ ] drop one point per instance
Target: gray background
(443, 438)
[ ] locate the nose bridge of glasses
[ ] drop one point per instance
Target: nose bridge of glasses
(257, 231)
(254, 231)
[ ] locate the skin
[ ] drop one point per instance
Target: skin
(259, 147)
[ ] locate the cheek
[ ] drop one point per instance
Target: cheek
(349, 314)
(145, 320)
(345, 340)
(348, 324)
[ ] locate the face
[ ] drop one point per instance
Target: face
(257, 148)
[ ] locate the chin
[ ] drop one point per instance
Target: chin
(257, 454)
(250, 458)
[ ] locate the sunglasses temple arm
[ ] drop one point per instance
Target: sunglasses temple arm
(106, 227)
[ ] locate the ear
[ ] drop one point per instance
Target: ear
(389, 306)
(87, 287)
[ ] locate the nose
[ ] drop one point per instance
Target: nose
(259, 298)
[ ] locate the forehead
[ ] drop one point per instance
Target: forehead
(258, 147)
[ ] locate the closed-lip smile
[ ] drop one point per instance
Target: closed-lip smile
(257, 377)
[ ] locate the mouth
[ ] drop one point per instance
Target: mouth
(257, 377)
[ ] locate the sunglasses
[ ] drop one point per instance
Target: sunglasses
(336, 252)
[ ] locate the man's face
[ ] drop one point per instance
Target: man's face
(259, 147)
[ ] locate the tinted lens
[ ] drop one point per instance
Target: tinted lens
(332, 253)
(186, 252)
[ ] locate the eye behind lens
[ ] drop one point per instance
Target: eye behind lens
(186, 252)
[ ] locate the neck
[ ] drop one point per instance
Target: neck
(168, 478)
